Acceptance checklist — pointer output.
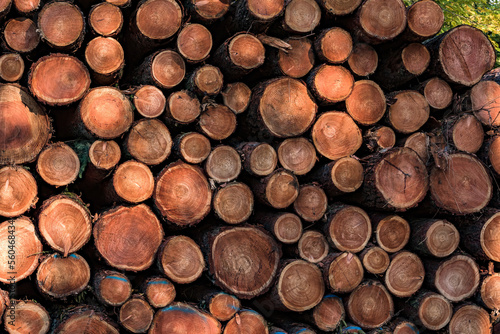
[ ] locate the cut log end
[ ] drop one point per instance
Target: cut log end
(233, 203)
(183, 106)
(419, 142)
(265, 10)
(236, 97)
(104, 55)
(487, 237)
(488, 289)
(438, 93)
(470, 319)
(331, 91)
(329, 313)
(158, 19)
(311, 203)
(58, 164)
(133, 181)
(349, 229)
(343, 273)
(194, 147)
(218, 122)
(106, 112)
(382, 20)
(434, 311)
(61, 24)
(59, 79)
(485, 102)
(334, 45)
(457, 278)
(182, 194)
(313, 246)
(60, 277)
(223, 164)
(442, 238)
(186, 317)
(86, 318)
(19, 191)
(128, 237)
(159, 291)
(74, 223)
(262, 161)
(494, 153)
(112, 288)
(106, 19)
(367, 103)
(292, 290)
(168, 69)
(298, 61)
(335, 135)
(223, 306)
(370, 305)
(375, 260)
(149, 141)
(409, 113)
(301, 16)
(30, 317)
(380, 138)
(416, 58)
(246, 320)
(210, 10)
(282, 189)
(104, 154)
(405, 274)
(297, 155)
(194, 42)
(286, 227)
(341, 7)
(347, 174)
(425, 19)
(11, 67)
(136, 315)
(246, 51)
(208, 80)
(363, 60)
(392, 233)
(21, 35)
(468, 134)
(26, 6)
(463, 187)
(149, 101)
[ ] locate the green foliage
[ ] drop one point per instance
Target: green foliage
(482, 14)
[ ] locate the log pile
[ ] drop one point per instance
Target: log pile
(249, 167)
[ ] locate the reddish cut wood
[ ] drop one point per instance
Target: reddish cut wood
(329, 313)
(158, 19)
(409, 112)
(58, 164)
(5, 6)
(192, 147)
(106, 112)
(284, 106)
(182, 194)
(392, 233)
(58, 79)
(236, 96)
(223, 306)
(11, 67)
(279, 190)
(405, 274)
(425, 19)
(61, 277)
(311, 203)
(375, 260)
(206, 80)
(183, 107)
(166, 69)
(463, 186)
(380, 138)
(381, 20)
(366, 104)
(181, 259)
(111, 287)
(259, 159)
(106, 58)
(133, 182)
(485, 98)
(18, 191)
(419, 142)
(26, 6)
(297, 155)
(61, 25)
(341, 176)
(330, 83)
(30, 317)
(434, 310)
(298, 61)
(416, 58)
(21, 35)
(159, 291)
(493, 151)
(149, 101)
(79, 321)
(104, 154)
(247, 321)
(396, 180)
(26, 126)
(456, 278)
(335, 135)
(435, 237)
(179, 318)
(333, 45)
(301, 16)
(466, 132)
(194, 42)
(136, 315)
(119, 3)
(469, 319)
(468, 44)
(233, 203)
(128, 237)
(342, 272)
(244, 260)
(370, 305)
(488, 291)
(106, 19)
(65, 223)
(348, 228)
(299, 286)
(313, 246)
(223, 164)
(479, 234)
(340, 7)
(149, 141)
(363, 59)
(27, 249)
(218, 122)
(286, 227)
(438, 93)
(210, 10)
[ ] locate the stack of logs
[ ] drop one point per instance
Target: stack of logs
(260, 166)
